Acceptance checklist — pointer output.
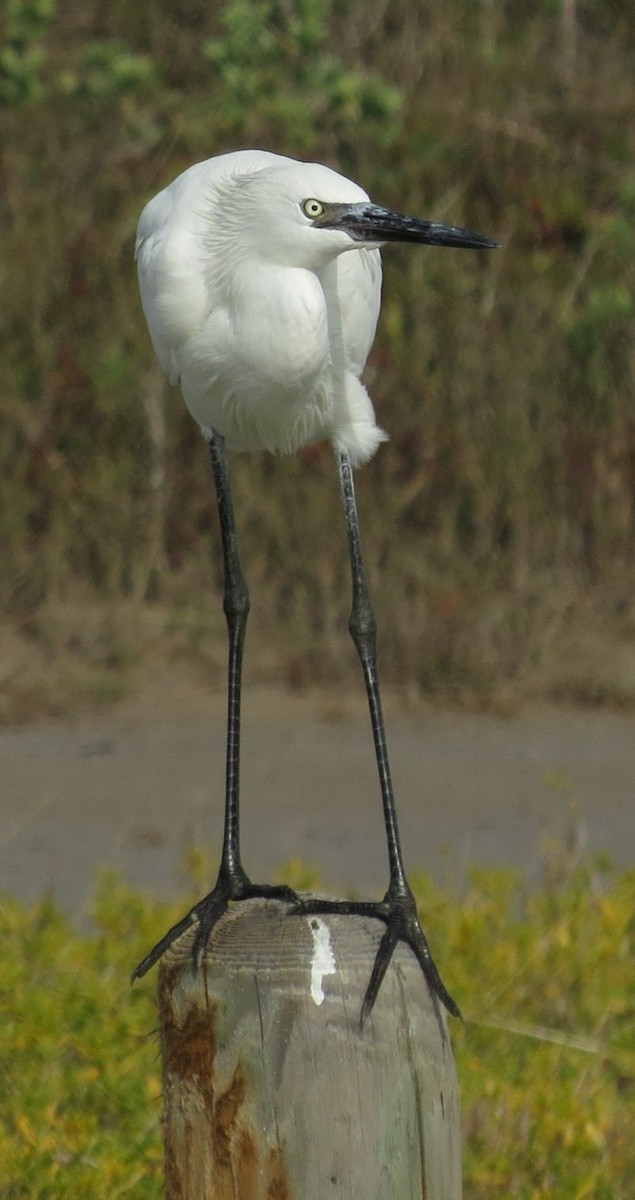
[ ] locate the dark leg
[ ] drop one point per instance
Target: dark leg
(232, 883)
(398, 908)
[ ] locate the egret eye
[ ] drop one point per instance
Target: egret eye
(312, 208)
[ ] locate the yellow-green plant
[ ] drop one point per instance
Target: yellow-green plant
(546, 1058)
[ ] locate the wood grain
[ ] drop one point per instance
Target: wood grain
(271, 1089)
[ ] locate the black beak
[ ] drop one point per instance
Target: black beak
(371, 223)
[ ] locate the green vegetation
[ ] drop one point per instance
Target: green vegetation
(499, 518)
(546, 1057)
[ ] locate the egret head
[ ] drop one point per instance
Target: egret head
(281, 207)
(304, 215)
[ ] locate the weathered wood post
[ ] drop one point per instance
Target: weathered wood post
(272, 1091)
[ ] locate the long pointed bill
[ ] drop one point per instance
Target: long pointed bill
(371, 223)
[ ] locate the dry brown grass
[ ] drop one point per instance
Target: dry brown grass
(499, 520)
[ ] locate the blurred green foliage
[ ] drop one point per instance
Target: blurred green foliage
(506, 496)
(546, 1058)
(273, 59)
(22, 54)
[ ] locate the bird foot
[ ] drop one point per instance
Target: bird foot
(398, 911)
(208, 911)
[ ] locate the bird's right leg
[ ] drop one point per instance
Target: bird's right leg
(232, 883)
(398, 908)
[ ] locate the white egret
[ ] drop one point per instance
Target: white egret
(260, 280)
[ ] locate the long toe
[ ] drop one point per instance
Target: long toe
(211, 909)
(398, 911)
(270, 891)
(402, 925)
(168, 938)
(206, 914)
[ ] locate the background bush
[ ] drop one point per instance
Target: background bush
(546, 1057)
(499, 518)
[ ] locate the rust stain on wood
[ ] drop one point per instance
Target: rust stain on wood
(204, 1123)
(278, 1182)
(226, 1112)
(173, 1176)
(189, 1049)
(237, 1156)
(229, 1126)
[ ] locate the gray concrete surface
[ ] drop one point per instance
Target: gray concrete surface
(135, 788)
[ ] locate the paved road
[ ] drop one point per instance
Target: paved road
(134, 789)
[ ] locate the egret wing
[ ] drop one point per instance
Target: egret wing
(359, 291)
(173, 275)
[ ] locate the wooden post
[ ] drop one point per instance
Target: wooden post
(271, 1089)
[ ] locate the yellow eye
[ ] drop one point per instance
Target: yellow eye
(312, 208)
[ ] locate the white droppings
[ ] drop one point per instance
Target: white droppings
(323, 961)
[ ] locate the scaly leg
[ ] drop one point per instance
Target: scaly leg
(398, 908)
(232, 882)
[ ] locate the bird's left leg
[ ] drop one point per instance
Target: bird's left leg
(398, 908)
(233, 882)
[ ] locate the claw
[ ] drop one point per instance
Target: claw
(207, 912)
(398, 911)
(157, 951)
(380, 966)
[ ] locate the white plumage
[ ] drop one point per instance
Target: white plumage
(263, 319)
(260, 281)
